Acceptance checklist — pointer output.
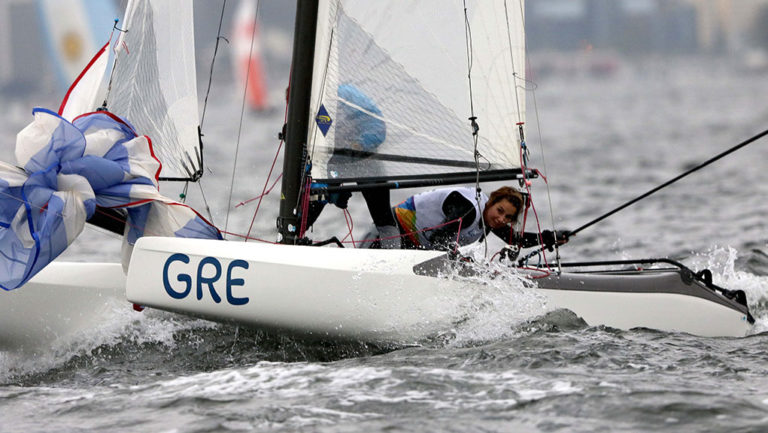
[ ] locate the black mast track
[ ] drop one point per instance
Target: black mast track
(298, 118)
(417, 181)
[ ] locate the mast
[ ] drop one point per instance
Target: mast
(298, 118)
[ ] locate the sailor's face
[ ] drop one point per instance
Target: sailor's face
(500, 214)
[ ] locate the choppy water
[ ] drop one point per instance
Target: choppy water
(507, 368)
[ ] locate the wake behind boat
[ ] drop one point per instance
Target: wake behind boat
(372, 102)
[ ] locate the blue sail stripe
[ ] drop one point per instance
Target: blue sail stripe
(32, 233)
(107, 180)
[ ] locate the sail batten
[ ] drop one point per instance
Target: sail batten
(154, 82)
(392, 79)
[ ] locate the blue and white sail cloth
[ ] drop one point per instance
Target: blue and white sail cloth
(65, 170)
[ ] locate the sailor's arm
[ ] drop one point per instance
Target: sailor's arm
(532, 239)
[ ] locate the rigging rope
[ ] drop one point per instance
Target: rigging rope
(202, 117)
(543, 176)
(306, 174)
(658, 188)
(213, 62)
(350, 227)
(473, 123)
(673, 180)
(240, 123)
(202, 195)
(512, 61)
(523, 147)
(114, 61)
(264, 191)
(520, 121)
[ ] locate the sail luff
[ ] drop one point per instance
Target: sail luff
(298, 118)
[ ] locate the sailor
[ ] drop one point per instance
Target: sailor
(442, 218)
(359, 133)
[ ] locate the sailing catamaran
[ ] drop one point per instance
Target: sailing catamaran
(444, 83)
(446, 120)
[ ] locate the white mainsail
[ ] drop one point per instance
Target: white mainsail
(154, 81)
(398, 72)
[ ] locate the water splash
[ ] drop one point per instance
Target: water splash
(724, 262)
(503, 300)
(121, 326)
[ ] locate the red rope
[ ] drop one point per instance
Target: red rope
(350, 226)
(544, 272)
(247, 238)
(458, 236)
(409, 233)
(304, 207)
(527, 186)
(243, 203)
(271, 168)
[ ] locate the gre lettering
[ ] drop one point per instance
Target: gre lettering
(208, 272)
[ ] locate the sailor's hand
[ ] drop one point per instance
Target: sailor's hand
(548, 237)
(340, 199)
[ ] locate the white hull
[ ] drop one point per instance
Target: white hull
(61, 300)
(322, 292)
(375, 295)
(351, 294)
(701, 311)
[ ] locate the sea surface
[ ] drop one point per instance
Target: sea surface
(607, 137)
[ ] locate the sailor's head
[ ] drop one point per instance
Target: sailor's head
(360, 124)
(503, 207)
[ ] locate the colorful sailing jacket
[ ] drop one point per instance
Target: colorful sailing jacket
(438, 218)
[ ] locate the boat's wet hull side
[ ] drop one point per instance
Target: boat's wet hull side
(658, 300)
(375, 295)
(61, 300)
(370, 295)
